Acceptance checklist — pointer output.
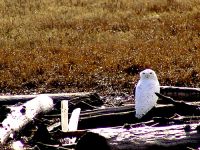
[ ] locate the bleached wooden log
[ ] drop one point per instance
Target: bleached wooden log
(141, 138)
(64, 115)
(12, 99)
(21, 115)
(137, 138)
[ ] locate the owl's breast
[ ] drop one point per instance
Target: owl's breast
(148, 86)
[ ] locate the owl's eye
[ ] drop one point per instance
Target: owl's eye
(150, 72)
(143, 73)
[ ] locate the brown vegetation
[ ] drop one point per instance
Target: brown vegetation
(77, 45)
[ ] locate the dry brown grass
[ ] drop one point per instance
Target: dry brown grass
(76, 45)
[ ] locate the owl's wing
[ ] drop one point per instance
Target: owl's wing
(138, 89)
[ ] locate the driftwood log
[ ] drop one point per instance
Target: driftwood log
(21, 115)
(180, 105)
(84, 100)
(173, 137)
(181, 93)
(73, 97)
(182, 136)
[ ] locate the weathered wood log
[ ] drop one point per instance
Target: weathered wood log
(75, 101)
(177, 119)
(187, 109)
(173, 137)
(74, 97)
(21, 115)
(144, 137)
(181, 93)
(170, 100)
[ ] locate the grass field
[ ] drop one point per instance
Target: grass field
(99, 45)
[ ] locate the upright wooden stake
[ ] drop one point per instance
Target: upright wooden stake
(64, 115)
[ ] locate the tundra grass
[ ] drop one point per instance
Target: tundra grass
(91, 45)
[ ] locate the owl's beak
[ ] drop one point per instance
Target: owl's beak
(147, 76)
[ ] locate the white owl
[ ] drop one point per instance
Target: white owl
(145, 97)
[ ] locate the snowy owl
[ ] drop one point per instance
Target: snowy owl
(145, 97)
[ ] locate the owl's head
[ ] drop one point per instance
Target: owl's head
(148, 74)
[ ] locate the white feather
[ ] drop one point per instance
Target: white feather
(145, 97)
